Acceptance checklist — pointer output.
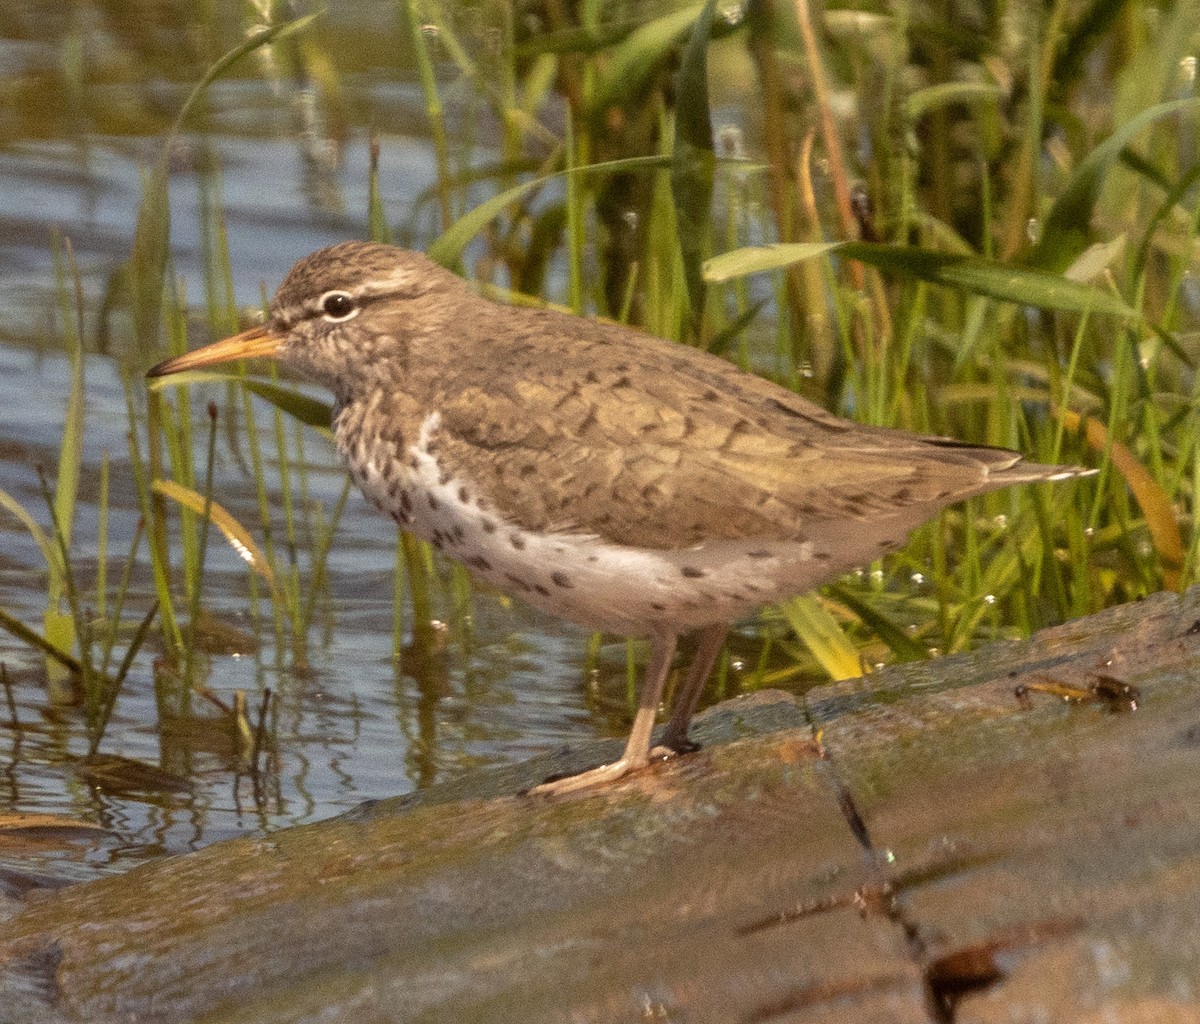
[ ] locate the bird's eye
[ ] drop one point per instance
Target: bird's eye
(338, 306)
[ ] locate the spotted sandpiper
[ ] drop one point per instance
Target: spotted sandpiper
(626, 483)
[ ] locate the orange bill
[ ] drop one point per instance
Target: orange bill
(255, 343)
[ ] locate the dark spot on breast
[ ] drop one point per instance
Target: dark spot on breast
(760, 553)
(528, 470)
(541, 590)
(593, 558)
(591, 377)
(443, 478)
(620, 382)
(406, 501)
(489, 525)
(517, 541)
(459, 533)
(561, 579)
(692, 572)
(437, 541)
(710, 396)
(517, 582)
(433, 502)
(464, 495)
(479, 562)
(821, 556)
(658, 606)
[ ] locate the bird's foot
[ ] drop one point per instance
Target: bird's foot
(601, 776)
(673, 746)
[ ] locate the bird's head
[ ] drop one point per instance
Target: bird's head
(343, 316)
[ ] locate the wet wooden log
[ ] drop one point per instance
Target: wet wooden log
(1000, 836)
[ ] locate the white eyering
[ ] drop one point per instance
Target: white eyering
(332, 318)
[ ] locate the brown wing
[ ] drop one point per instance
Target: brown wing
(646, 443)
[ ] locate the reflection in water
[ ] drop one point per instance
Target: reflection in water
(275, 166)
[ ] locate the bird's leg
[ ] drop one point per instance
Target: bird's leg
(637, 747)
(675, 739)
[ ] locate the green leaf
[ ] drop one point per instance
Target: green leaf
(819, 631)
(66, 484)
(1065, 232)
(234, 532)
(756, 259)
(448, 247)
(693, 158)
(1022, 285)
(903, 646)
(636, 58)
(151, 237)
(312, 412)
(923, 101)
(1092, 24)
(262, 36)
(48, 548)
(22, 632)
(148, 262)
(583, 39)
(724, 338)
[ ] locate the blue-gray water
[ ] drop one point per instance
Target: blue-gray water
(357, 725)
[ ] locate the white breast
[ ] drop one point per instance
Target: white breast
(600, 585)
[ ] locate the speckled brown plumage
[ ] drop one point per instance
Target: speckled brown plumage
(619, 480)
(582, 425)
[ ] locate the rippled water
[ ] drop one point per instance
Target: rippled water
(357, 724)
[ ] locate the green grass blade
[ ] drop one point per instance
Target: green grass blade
(234, 532)
(975, 274)
(693, 161)
(35, 639)
(933, 97)
(447, 249)
(756, 259)
(819, 631)
(1065, 232)
(312, 412)
(632, 62)
(17, 510)
(903, 646)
